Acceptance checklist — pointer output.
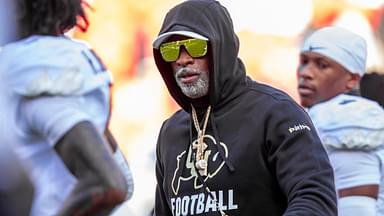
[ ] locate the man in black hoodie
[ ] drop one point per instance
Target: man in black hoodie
(237, 147)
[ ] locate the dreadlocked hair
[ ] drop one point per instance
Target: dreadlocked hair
(51, 17)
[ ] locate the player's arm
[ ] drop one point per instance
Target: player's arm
(83, 149)
(16, 189)
(121, 161)
(101, 184)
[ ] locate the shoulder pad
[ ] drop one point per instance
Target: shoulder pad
(349, 122)
(44, 65)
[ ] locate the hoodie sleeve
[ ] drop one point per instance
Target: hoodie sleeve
(161, 206)
(300, 162)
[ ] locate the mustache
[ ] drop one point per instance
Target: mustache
(183, 71)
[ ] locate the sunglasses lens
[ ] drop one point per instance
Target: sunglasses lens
(170, 51)
(196, 48)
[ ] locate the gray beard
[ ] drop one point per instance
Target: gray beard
(193, 90)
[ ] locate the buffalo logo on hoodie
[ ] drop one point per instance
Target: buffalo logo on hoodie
(215, 164)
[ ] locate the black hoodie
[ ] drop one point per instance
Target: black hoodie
(265, 157)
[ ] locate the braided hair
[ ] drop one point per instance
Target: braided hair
(51, 17)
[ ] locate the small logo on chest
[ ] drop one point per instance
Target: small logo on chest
(299, 127)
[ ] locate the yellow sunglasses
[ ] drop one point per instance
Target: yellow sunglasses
(195, 47)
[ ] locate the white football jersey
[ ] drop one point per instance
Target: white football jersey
(380, 200)
(49, 84)
(352, 130)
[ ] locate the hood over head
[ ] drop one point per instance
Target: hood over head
(212, 21)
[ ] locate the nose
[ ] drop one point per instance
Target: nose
(184, 57)
(304, 71)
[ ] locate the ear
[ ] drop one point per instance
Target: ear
(353, 81)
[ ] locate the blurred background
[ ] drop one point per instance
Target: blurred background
(270, 33)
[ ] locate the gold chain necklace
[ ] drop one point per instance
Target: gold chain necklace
(201, 160)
